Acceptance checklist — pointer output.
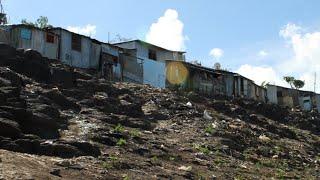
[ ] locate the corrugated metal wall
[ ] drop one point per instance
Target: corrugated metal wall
(73, 57)
(29, 38)
(272, 94)
(154, 73)
(132, 69)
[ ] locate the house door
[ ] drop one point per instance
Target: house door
(307, 103)
(107, 66)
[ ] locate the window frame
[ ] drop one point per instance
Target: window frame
(152, 54)
(76, 42)
(49, 40)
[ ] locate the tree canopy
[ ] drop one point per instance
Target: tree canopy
(294, 83)
(42, 22)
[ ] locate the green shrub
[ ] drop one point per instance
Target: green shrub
(118, 129)
(121, 142)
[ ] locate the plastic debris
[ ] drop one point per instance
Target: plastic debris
(185, 168)
(206, 115)
(264, 138)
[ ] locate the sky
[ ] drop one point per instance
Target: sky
(263, 40)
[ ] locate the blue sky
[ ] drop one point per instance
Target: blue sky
(247, 32)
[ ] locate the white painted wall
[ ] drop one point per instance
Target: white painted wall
(154, 73)
(72, 57)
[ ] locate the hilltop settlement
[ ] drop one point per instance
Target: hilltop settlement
(144, 63)
(72, 107)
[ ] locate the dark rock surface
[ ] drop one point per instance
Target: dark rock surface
(61, 122)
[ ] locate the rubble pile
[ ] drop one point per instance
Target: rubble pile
(59, 122)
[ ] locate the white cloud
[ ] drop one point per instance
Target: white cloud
(262, 53)
(289, 30)
(216, 53)
(88, 30)
(305, 59)
(260, 74)
(304, 48)
(167, 32)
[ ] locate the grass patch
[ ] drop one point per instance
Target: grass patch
(202, 148)
(135, 133)
(121, 142)
(210, 129)
(118, 129)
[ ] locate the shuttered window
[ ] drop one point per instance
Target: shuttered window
(50, 38)
(76, 42)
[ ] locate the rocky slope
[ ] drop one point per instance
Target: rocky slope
(60, 123)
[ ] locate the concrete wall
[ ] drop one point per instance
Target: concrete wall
(162, 55)
(143, 51)
(154, 73)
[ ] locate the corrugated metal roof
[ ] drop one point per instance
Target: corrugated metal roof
(143, 42)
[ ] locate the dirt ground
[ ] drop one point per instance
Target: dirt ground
(83, 127)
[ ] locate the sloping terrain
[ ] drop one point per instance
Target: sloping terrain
(57, 122)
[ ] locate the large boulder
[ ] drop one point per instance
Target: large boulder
(6, 51)
(9, 128)
(60, 150)
(14, 78)
(58, 98)
(87, 148)
(42, 125)
(36, 67)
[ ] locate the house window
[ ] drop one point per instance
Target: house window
(76, 42)
(25, 34)
(152, 54)
(241, 86)
(279, 94)
(50, 38)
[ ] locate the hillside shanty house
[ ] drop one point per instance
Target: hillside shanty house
(259, 93)
(242, 86)
(109, 64)
(30, 37)
(73, 49)
(288, 97)
(192, 77)
(145, 63)
(78, 50)
(228, 79)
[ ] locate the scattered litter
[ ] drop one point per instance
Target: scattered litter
(214, 125)
(206, 115)
(185, 168)
(147, 132)
(243, 166)
(189, 105)
(264, 138)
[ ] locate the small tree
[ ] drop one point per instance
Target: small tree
(264, 84)
(289, 80)
(42, 22)
(294, 83)
(298, 84)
